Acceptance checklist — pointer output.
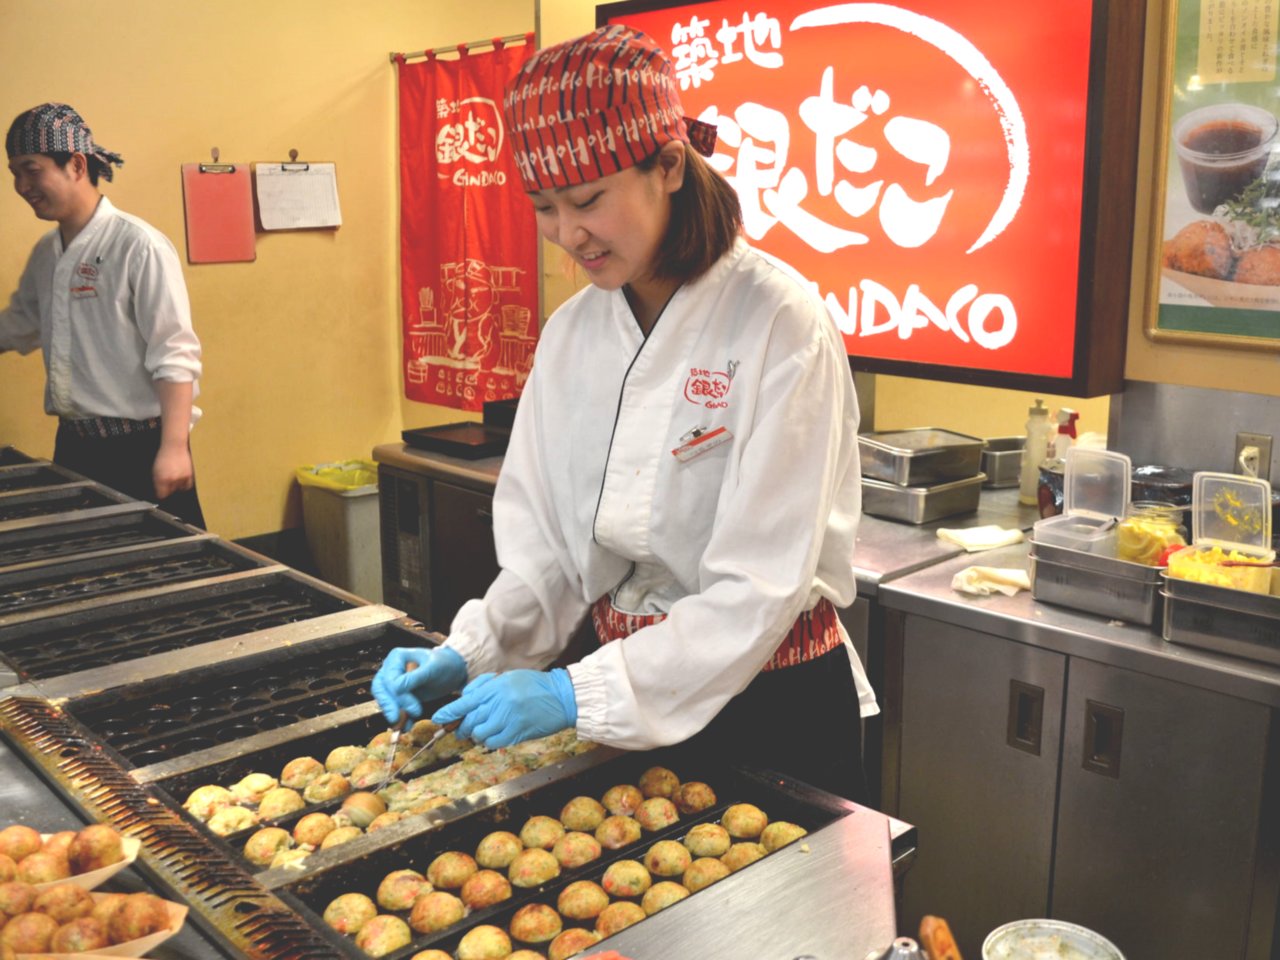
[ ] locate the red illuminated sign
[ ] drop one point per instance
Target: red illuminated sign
(921, 163)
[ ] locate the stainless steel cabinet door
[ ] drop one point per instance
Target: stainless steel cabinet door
(463, 559)
(1161, 795)
(981, 723)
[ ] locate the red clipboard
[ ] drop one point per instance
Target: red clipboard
(218, 200)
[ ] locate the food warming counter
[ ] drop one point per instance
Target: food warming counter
(140, 659)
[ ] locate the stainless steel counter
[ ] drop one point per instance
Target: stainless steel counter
(928, 593)
(481, 474)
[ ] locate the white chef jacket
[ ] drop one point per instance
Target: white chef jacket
(111, 314)
(733, 544)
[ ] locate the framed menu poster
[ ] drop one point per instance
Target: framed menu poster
(955, 180)
(1214, 275)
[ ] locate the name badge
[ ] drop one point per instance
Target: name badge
(696, 443)
(83, 292)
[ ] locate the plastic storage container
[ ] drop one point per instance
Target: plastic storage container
(340, 518)
(1230, 520)
(1148, 530)
(1095, 498)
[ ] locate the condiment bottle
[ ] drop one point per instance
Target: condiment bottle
(1034, 450)
(1149, 527)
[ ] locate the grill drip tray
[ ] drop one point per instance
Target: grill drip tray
(57, 646)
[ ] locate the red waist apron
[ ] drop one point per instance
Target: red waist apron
(814, 633)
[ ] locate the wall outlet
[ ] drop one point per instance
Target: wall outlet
(1260, 440)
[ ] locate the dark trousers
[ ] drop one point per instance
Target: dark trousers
(802, 722)
(124, 463)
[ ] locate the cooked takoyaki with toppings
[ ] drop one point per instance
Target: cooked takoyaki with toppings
(779, 834)
(744, 821)
(451, 869)
(400, 888)
(667, 858)
(496, 850)
(693, 797)
(623, 800)
(583, 814)
(626, 878)
(576, 849)
(658, 782)
(383, 934)
(299, 772)
(618, 831)
(484, 888)
(703, 872)
(582, 900)
(741, 854)
(657, 813)
(540, 831)
(662, 895)
(349, 912)
(618, 916)
(532, 868)
(436, 911)
(708, 840)
(485, 942)
(536, 923)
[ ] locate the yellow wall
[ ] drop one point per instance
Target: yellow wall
(302, 347)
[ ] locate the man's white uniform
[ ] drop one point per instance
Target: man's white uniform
(604, 491)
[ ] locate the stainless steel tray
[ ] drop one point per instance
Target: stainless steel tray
(920, 455)
(921, 504)
(1095, 583)
(1235, 622)
(1002, 461)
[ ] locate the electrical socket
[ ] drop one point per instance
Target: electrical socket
(1263, 442)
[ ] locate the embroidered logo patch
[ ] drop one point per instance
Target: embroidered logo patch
(88, 271)
(710, 388)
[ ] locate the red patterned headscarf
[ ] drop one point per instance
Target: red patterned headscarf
(56, 128)
(593, 106)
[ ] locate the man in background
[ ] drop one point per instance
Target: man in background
(103, 296)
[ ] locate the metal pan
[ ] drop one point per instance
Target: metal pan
(919, 456)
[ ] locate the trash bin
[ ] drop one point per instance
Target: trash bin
(340, 517)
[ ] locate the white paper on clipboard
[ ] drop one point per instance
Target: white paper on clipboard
(297, 196)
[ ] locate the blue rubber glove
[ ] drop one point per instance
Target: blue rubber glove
(499, 709)
(440, 671)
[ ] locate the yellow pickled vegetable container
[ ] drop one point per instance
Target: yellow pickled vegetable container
(1149, 529)
(1231, 523)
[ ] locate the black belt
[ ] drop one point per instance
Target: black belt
(101, 428)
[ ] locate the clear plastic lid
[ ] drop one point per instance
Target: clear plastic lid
(1231, 512)
(1096, 483)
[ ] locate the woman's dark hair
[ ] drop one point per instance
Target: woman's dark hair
(63, 157)
(705, 220)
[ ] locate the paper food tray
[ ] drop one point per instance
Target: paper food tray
(130, 948)
(95, 878)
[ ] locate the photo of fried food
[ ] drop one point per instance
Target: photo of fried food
(1202, 247)
(1261, 265)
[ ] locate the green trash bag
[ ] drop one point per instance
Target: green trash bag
(343, 476)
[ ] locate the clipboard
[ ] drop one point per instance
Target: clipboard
(217, 199)
(297, 195)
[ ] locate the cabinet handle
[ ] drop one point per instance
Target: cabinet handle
(1026, 714)
(1103, 734)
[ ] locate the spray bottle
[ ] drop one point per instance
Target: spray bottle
(1034, 450)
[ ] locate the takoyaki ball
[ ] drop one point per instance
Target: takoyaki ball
(576, 849)
(15, 897)
(349, 912)
(421, 732)
(484, 888)
(263, 845)
(64, 902)
(658, 782)
(703, 872)
(202, 803)
(693, 797)
(228, 820)
(79, 936)
(253, 787)
(541, 832)
(94, 847)
(583, 813)
(61, 841)
(532, 868)
(41, 867)
(384, 820)
(618, 916)
(19, 840)
(622, 800)
(400, 888)
(361, 807)
(662, 895)
(339, 836)
(105, 904)
(299, 772)
(484, 942)
(368, 773)
(29, 932)
(383, 934)
(618, 831)
(741, 854)
(313, 828)
(432, 955)
(708, 840)
(744, 821)
(327, 786)
(496, 850)
(570, 942)
(536, 923)
(280, 802)
(8, 868)
(139, 915)
(667, 858)
(582, 900)
(626, 878)
(779, 834)
(451, 870)
(344, 759)
(436, 911)
(657, 813)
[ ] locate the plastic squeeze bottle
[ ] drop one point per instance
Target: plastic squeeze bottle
(1034, 450)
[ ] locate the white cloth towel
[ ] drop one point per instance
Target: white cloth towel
(980, 538)
(984, 581)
